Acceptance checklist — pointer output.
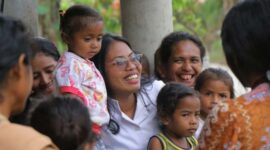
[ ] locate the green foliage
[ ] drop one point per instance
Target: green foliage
(49, 17)
(110, 14)
(203, 20)
(48, 20)
(42, 9)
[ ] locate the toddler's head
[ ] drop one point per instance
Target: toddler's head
(66, 121)
(82, 30)
(178, 108)
(214, 85)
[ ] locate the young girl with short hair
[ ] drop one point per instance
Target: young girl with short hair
(82, 30)
(214, 85)
(178, 108)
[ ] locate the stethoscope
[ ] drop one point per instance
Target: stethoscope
(113, 126)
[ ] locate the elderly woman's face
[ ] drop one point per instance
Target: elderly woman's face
(43, 67)
(123, 68)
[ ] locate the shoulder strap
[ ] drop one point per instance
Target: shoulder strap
(162, 141)
(192, 141)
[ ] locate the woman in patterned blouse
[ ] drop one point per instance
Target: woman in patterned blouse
(244, 123)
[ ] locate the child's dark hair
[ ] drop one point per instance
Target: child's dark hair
(169, 97)
(65, 120)
(45, 46)
(14, 41)
(76, 18)
(214, 74)
(165, 49)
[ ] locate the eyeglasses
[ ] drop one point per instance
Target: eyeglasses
(122, 62)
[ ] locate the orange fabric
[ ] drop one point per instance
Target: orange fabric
(241, 124)
(18, 137)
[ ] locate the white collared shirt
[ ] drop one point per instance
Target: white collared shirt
(134, 133)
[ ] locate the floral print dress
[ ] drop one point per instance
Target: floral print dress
(80, 77)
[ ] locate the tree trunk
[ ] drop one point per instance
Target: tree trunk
(145, 23)
(25, 11)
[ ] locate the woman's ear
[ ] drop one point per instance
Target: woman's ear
(19, 69)
(161, 71)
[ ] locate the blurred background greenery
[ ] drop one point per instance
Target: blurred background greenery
(202, 18)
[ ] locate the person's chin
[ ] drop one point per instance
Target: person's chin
(189, 83)
(191, 132)
(134, 88)
(20, 108)
(49, 90)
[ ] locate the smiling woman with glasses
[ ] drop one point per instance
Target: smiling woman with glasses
(122, 62)
(131, 98)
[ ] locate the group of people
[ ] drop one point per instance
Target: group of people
(99, 94)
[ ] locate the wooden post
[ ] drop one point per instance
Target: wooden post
(145, 23)
(25, 10)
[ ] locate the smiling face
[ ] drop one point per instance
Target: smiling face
(184, 64)
(86, 42)
(213, 92)
(43, 67)
(185, 119)
(122, 77)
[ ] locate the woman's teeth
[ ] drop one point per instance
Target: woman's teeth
(186, 77)
(134, 76)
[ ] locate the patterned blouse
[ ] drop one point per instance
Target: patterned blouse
(241, 124)
(80, 77)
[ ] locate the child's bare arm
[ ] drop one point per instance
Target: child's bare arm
(154, 144)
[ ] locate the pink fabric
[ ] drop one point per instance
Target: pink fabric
(96, 129)
(80, 77)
